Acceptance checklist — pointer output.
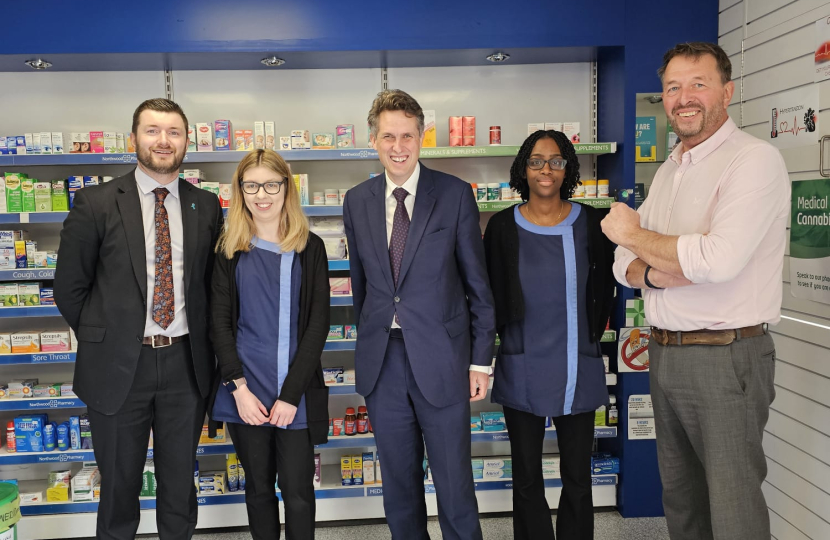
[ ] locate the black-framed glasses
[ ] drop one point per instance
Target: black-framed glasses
(556, 164)
(271, 188)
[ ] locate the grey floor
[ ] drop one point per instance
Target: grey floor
(608, 526)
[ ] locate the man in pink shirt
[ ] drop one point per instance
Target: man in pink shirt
(707, 248)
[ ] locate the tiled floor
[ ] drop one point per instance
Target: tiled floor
(608, 526)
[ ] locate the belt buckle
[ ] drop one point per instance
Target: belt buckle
(161, 344)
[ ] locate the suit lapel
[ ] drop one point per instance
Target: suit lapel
(129, 206)
(424, 203)
(190, 222)
(376, 211)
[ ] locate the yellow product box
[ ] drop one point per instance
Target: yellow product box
(5, 343)
(57, 493)
(20, 253)
(357, 469)
(219, 439)
(28, 294)
(4, 392)
(25, 342)
(429, 130)
(346, 471)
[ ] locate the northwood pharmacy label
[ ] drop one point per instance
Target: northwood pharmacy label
(810, 240)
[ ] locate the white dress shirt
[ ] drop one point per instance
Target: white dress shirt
(172, 203)
(411, 187)
(727, 199)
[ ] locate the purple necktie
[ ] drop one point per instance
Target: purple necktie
(400, 228)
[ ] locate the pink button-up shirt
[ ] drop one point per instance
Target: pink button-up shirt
(728, 200)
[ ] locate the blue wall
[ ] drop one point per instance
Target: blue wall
(626, 37)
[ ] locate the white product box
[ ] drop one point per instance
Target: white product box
(259, 135)
(73, 341)
(300, 139)
(494, 463)
(533, 128)
(120, 147)
(270, 140)
(45, 142)
(3, 208)
(204, 137)
(555, 126)
(57, 142)
(571, 130)
(31, 497)
(36, 142)
(110, 142)
(30, 143)
(5, 343)
(55, 341)
(285, 143)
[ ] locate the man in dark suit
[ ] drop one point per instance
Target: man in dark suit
(426, 322)
(136, 255)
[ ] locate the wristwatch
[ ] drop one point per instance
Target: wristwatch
(236, 384)
(648, 283)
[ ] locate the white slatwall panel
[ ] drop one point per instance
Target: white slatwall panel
(777, 57)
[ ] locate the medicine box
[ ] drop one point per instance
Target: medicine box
(534, 127)
(477, 464)
(43, 196)
(47, 294)
(86, 430)
(349, 377)
(497, 474)
(213, 187)
(333, 375)
(475, 423)
(340, 286)
(14, 193)
(30, 143)
(31, 497)
(57, 142)
(259, 135)
(204, 137)
(571, 131)
(96, 142)
(345, 136)
(9, 295)
(31, 248)
(239, 140)
(322, 141)
(285, 143)
(110, 142)
(28, 294)
(60, 200)
(21, 389)
(270, 139)
(498, 463)
(47, 390)
(67, 391)
(28, 432)
(25, 342)
(300, 139)
(350, 331)
(357, 469)
(605, 466)
(493, 421)
(5, 343)
(346, 471)
(27, 189)
(54, 341)
(336, 332)
(45, 142)
(368, 468)
(430, 138)
(225, 195)
(120, 147)
(204, 438)
(223, 131)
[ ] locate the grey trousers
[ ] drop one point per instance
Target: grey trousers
(711, 404)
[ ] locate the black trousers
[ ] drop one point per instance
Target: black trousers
(264, 452)
(531, 513)
(164, 396)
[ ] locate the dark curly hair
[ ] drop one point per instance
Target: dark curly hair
(518, 171)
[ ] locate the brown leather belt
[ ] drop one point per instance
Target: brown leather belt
(162, 341)
(706, 337)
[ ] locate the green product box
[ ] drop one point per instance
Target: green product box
(28, 294)
(14, 193)
(43, 197)
(60, 199)
(27, 186)
(9, 295)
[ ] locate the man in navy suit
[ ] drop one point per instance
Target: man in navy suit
(426, 322)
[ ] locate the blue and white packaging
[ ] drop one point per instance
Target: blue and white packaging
(73, 184)
(50, 440)
(28, 143)
(605, 466)
(497, 474)
(493, 421)
(28, 432)
(3, 146)
(494, 463)
(75, 432)
(63, 436)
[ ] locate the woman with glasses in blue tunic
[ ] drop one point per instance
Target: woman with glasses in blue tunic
(270, 320)
(550, 272)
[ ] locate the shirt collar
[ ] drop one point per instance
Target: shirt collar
(147, 184)
(411, 185)
(706, 147)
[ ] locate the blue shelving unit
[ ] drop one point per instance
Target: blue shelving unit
(339, 265)
(34, 311)
(342, 345)
(33, 217)
(27, 274)
(33, 404)
(342, 300)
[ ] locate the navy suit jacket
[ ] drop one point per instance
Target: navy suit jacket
(443, 298)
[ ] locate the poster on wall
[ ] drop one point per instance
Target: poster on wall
(822, 50)
(646, 139)
(640, 417)
(794, 117)
(810, 240)
(632, 350)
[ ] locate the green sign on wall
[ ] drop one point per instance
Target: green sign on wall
(810, 240)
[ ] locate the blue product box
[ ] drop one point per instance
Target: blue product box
(475, 423)
(47, 296)
(73, 184)
(478, 474)
(605, 466)
(477, 464)
(28, 432)
(86, 433)
(493, 421)
(91, 181)
(75, 432)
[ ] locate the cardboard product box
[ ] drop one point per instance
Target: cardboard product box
(213, 187)
(571, 130)
(43, 196)
(67, 389)
(475, 423)
(555, 126)
(3, 208)
(497, 474)
(28, 294)
(259, 135)
(31, 497)
(54, 341)
(4, 149)
(322, 141)
(4, 391)
(333, 375)
(300, 139)
(110, 142)
(340, 286)
(270, 139)
(317, 471)
(223, 131)
(14, 192)
(58, 486)
(57, 142)
(96, 142)
(345, 136)
(46, 390)
(60, 200)
(25, 342)
(8, 261)
(27, 188)
(498, 462)
(74, 431)
(430, 131)
(357, 469)
(350, 331)
(336, 332)
(468, 130)
(28, 432)
(534, 127)
(346, 471)
(130, 143)
(5, 344)
(51, 262)
(45, 142)
(456, 131)
(92, 181)
(605, 466)
(148, 480)
(73, 340)
(285, 143)
(225, 193)
(239, 140)
(9, 295)
(368, 468)
(31, 249)
(36, 143)
(204, 137)
(21, 389)
(20, 254)
(30, 143)
(120, 146)
(219, 439)
(349, 376)
(493, 421)
(191, 138)
(86, 430)
(73, 184)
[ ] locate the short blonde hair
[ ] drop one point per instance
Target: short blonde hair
(239, 225)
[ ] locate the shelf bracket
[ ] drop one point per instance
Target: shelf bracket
(594, 114)
(384, 79)
(168, 84)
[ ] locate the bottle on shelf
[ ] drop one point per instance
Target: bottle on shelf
(350, 422)
(362, 420)
(613, 413)
(11, 440)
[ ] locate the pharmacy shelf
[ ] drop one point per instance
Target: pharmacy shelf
(323, 210)
(33, 311)
(347, 154)
(340, 345)
(339, 265)
(341, 389)
(346, 300)
(37, 358)
(496, 206)
(596, 202)
(506, 484)
(33, 217)
(37, 404)
(27, 274)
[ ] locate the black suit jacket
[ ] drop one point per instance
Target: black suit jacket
(101, 285)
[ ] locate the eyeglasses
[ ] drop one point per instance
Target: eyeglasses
(556, 164)
(271, 188)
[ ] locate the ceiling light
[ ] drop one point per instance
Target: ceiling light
(498, 57)
(38, 63)
(272, 61)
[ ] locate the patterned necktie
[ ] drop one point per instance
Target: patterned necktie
(400, 228)
(163, 306)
